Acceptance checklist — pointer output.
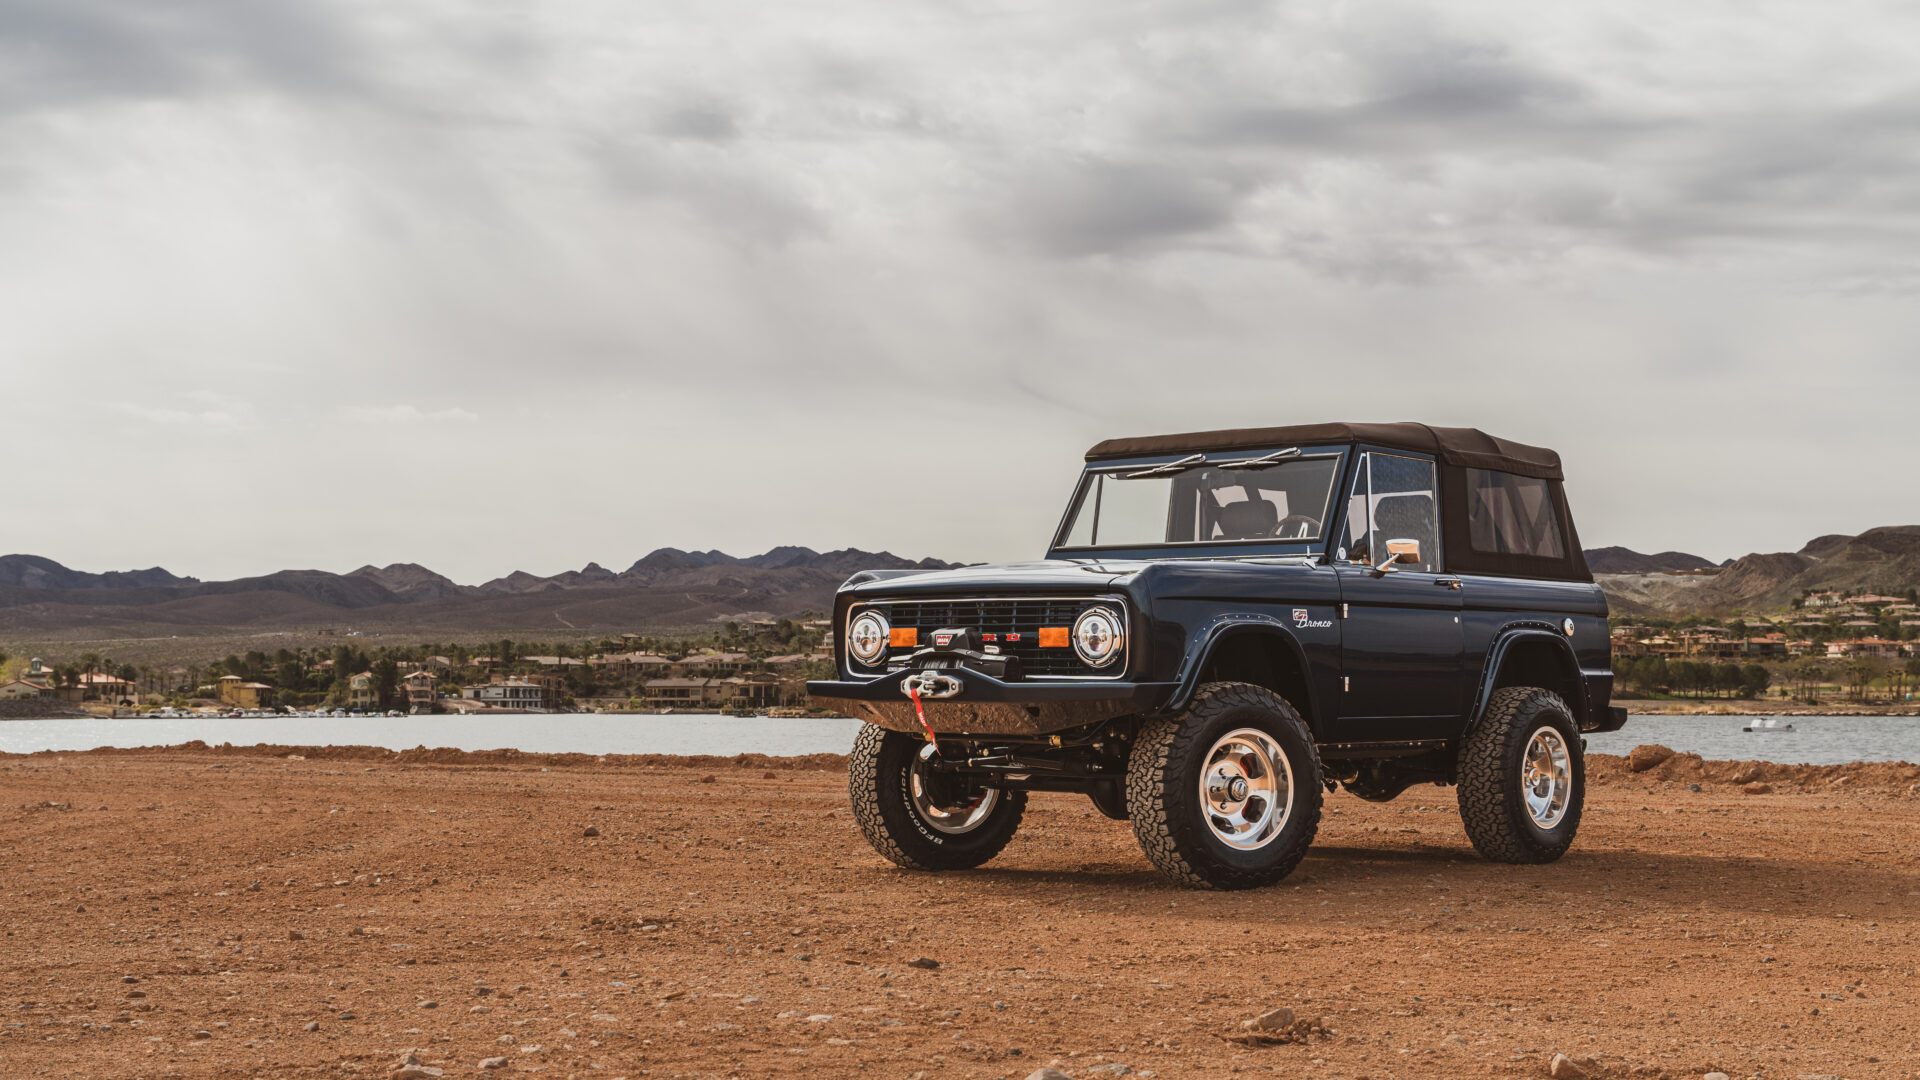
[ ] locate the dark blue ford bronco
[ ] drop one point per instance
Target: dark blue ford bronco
(1225, 622)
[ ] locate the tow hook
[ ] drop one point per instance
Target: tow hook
(930, 684)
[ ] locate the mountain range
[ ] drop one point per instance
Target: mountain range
(1885, 559)
(672, 589)
(668, 588)
(1619, 560)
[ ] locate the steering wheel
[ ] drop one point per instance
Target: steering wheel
(1296, 527)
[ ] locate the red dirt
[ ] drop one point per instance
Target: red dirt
(721, 909)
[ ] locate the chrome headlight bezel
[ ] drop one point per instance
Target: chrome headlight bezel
(868, 636)
(1099, 636)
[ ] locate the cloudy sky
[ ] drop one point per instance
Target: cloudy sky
(302, 283)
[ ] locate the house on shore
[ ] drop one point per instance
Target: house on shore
(37, 682)
(100, 686)
(681, 693)
(241, 694)
(23, 688)
(363, 692)
(757, 691)
(505, 693)
(423, 690)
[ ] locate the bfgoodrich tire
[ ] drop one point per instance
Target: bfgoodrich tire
(920, 819)
(1523, 777)
(1226, 796)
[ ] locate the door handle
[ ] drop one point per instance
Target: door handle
(1448, 582)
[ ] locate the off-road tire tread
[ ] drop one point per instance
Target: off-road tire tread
(1164, 740)
(1485, 807)
(863, 788)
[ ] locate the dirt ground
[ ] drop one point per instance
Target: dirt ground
(241, 913)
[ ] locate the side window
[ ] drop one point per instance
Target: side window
(1512, 515)
(1393, 498)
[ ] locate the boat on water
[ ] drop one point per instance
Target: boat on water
(1768, 723)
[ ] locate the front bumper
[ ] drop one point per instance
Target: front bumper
(989, 706)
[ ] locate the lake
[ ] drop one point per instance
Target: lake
(1818, 740)
(536, 733)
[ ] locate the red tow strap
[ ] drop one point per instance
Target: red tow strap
(920, 711)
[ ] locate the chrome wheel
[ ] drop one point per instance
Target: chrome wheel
(1546, 777)
(1246, 789)
(955, 814)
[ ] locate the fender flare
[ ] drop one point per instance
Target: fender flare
(1503, 644)
(1207, 637)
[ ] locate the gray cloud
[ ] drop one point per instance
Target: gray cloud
(642, 261)
(1106, 207)
(63, 53)
(705, 121)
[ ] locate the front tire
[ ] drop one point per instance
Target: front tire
(1523, 777)
(1226, 796)
(921, 819)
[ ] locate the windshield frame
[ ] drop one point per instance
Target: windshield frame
(1340, 454)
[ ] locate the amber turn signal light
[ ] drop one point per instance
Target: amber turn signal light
(904, 637)
(1054, 637)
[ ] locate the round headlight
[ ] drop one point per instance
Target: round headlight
(867, 638)
(1098, 636)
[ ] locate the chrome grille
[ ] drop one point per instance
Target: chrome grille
(1001, 617)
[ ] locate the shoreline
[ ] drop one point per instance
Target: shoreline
(1751, 707)
(1659, 763)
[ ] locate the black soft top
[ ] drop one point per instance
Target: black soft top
(1464, 447)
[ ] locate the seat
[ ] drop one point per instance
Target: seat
(1251, 520)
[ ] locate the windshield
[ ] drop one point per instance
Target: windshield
(1212, 502)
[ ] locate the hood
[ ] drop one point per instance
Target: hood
(1051, 574)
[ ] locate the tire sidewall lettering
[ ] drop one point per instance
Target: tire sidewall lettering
(920, 825)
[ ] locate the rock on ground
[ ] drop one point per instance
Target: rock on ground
(1563, 1068)
(1642, 758)
(1280, 1019)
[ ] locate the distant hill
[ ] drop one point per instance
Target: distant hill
(1619, 560)
(34, 572)
(1885, 559)
(667, 588)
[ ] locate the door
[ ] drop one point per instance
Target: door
(1401, 641)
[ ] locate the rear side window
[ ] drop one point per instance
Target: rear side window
(1512, 515)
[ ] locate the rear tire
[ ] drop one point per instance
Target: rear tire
(920, 819)
(1523, 777)
(1227, 795)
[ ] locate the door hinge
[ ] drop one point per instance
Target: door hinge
(1343, 611)
(1346, 684)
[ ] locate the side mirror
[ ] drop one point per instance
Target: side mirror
(1399, 551)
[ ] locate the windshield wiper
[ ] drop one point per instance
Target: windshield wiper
(1254, 463)
(1182, 465)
